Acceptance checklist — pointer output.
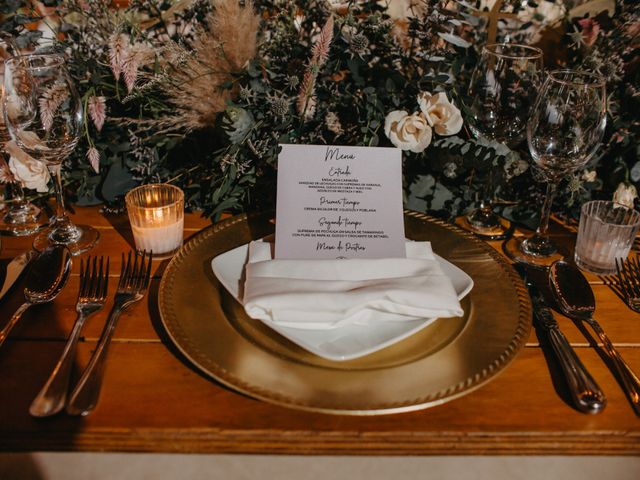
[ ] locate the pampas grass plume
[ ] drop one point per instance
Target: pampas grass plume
(222, 48)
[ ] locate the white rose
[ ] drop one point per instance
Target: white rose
(408, 132)
(625, 195)
(29, 172)
(441, 114)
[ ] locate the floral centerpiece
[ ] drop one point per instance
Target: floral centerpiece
(200, 93)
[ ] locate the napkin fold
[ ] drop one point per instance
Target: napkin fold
(324, 294)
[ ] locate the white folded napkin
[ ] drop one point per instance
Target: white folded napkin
(323, 294)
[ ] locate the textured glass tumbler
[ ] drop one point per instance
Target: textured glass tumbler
(607, 231)
(156, 214)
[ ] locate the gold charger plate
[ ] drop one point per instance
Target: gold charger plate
(446, 360)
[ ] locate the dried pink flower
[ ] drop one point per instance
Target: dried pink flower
(319, 55)
(306, 91)
(94, 158)
(97, 111)
(51, 99)
(118, 46)
(320, 51)
(137, 55)
(590, 30)
(130, 71)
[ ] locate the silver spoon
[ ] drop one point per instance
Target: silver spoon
(575, 298)
(47, 276)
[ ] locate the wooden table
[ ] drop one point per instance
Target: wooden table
(153, 400)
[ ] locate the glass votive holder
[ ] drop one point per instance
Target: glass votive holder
(606, 232)
(156, 214)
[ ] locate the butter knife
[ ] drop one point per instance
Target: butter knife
(585, 392)
(14, 270)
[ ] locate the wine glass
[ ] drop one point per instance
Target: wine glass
(565, 129)
(502, 88)
(44, 116)
(19, 217)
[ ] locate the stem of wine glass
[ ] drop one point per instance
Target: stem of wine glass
(539, 244)
(62, 230)
(546, 209)
(488, 192)
(484, 217)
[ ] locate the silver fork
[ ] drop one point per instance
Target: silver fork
(626, 282)
(94, 280)
(133, 284)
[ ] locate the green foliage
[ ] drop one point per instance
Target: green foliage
(375, 64)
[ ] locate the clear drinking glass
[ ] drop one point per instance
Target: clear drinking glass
(156, 214)
(606, 232)
(19, 217)
(565, 129)
(502, 89)
(44, 116)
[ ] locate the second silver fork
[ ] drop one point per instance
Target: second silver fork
(94, 281)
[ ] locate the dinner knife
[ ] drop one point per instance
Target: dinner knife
(587, 396)
(14, 269)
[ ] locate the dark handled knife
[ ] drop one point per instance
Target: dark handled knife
(585, 392)
(13, 271)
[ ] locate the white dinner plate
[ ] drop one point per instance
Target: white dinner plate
(342, 343)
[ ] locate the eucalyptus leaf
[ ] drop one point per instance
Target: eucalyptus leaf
(427, 194)
(454, 40)
(473, 20)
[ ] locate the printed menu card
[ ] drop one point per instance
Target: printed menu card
(339, 202)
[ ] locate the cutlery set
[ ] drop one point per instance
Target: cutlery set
(47, 276)
(585, 392)
(49, 272)
(572, 296)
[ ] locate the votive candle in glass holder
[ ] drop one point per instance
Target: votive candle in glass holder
(606, 232)
(156, 214)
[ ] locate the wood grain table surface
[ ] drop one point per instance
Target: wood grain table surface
(153, 401)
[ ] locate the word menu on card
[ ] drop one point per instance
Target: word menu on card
(339, 202)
